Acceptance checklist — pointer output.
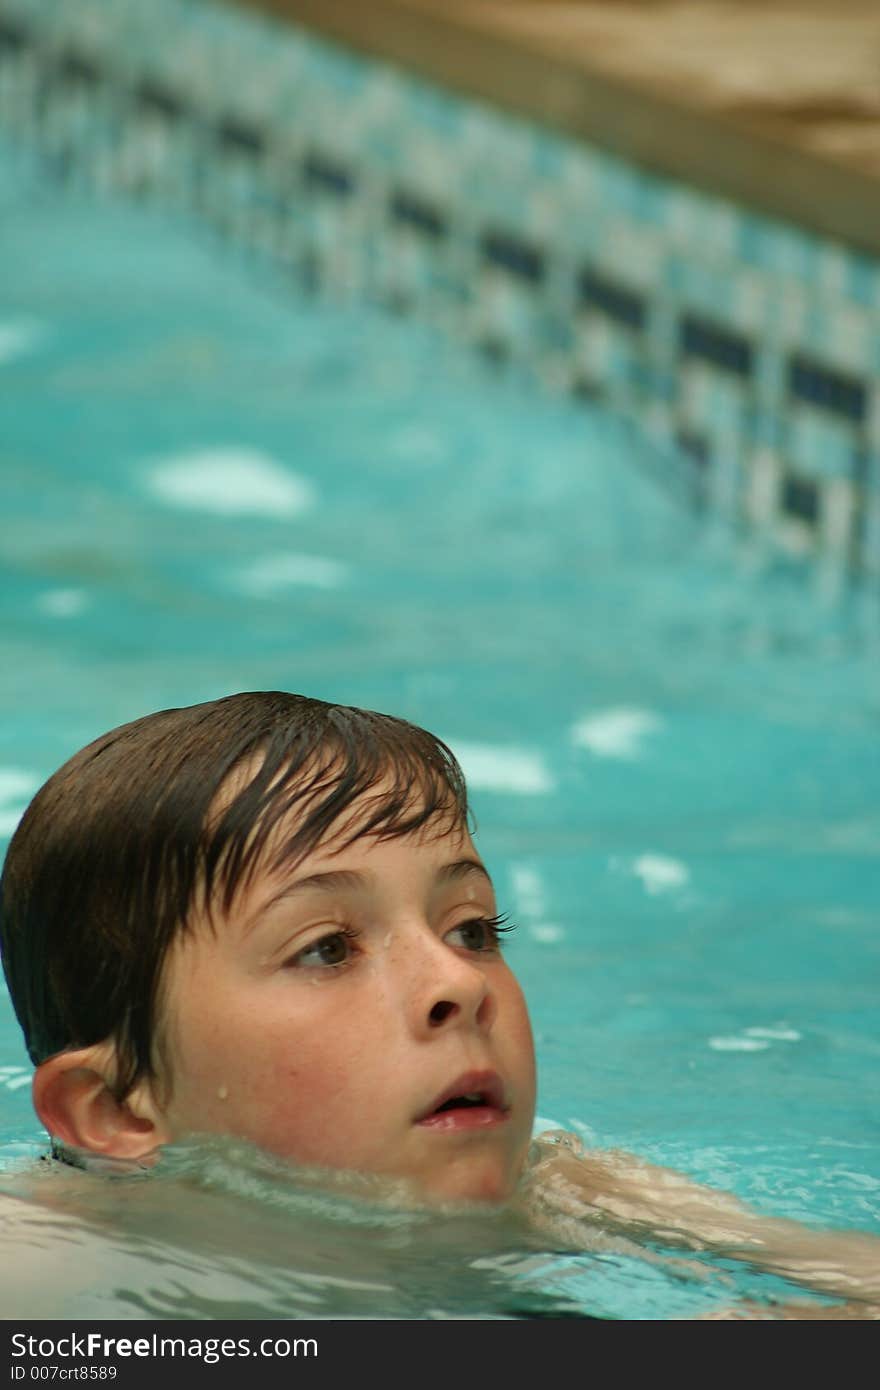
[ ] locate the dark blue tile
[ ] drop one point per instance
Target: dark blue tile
(711, 342)
(14, 34)
(326, 173)
(238, 137)
(614, 300)
(696, 447)
(417, 212)
(77, 69)
(800, 497)
(513, 254)
(160, 100)
(831, 390)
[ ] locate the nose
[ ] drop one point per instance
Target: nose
(449, 991)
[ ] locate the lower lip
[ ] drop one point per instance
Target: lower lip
(468, 1117)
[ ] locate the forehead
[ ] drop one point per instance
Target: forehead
(264, 829)
(423, 867)
(372, 854)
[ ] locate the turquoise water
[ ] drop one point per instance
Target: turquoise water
(212, 482)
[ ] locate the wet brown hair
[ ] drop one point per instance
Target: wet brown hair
(148, 823)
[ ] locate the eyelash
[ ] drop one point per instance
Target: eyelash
(496, 927)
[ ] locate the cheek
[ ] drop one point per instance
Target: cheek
(521, 1039)
(307, 1104)
(517, 1014)
(219, 1053)
(283, 1077)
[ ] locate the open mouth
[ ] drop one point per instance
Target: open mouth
(462, 1102)
(472, 1100)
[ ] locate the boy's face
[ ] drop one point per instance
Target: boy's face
(342, 1002)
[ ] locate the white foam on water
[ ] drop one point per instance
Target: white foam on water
(496, 768)
(619, 732)
(16, 1082)
(16, 783)
(780, 1032)
(587, 1133)
(18, 337)
(546, 932)
(737, 1043)
(540, 1125)
(531, 904)
(9, 818)
(63, 603)
(230, 481)
(528, 889)
(271, 574)
(660, 874)
(16, 789)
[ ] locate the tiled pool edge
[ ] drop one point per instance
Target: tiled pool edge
(749, 351)
(473, 49)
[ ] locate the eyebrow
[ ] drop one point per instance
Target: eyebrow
(338, 880)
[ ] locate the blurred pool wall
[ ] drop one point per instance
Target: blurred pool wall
(745, 348)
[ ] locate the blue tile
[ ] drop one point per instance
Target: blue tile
(612, 298)
(488, 165)
(837, 392)
(549, 157)
(871, 471)
(512, 253)
(415, 211)
(768, 430)
(800, 498)
(863, 280)
(750, 239)
(712, 342)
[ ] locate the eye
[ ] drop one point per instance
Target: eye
(330, 951)
(480, 933)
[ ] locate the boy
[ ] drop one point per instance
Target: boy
(265, 917)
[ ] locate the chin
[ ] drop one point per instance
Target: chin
(486, 1183)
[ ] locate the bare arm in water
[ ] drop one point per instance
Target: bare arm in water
(577, 1187)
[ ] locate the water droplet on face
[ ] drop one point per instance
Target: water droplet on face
(388, 939)
(222, 1092)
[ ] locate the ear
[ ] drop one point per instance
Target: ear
(74, 1099)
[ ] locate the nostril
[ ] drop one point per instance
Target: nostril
(441, 1011)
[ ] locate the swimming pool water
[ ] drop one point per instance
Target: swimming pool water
(214, 481)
